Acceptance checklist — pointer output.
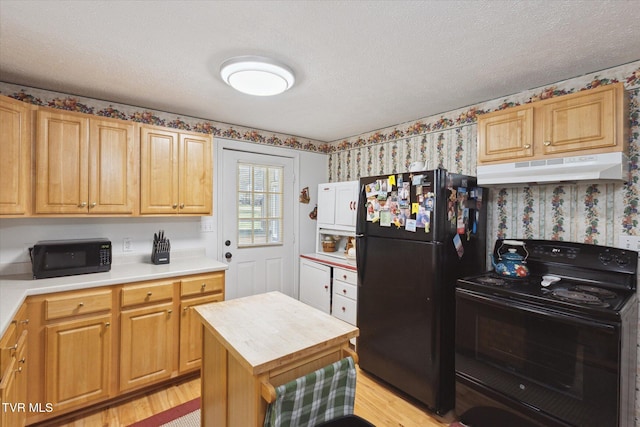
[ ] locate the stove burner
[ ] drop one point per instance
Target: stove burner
(579, 297)
(491, 280)
(600, 292)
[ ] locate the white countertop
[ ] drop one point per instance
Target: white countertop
(349, 264)
(14, 289)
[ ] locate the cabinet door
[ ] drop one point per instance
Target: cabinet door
(315, 285)
(8, 395)
(113, 183)
(195, 174)
(584, 121)
(146, 345)
(326, 204)
(191, 332)
(15, 162)
(346, 203)
(506, 135)
(158, 171)
(77, 362)
(62, 163)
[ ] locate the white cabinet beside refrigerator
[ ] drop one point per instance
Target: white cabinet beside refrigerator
(315, 284)
(337, 205)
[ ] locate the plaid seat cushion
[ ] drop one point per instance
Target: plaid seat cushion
(320, 396)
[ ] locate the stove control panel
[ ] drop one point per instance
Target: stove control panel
(579, 255)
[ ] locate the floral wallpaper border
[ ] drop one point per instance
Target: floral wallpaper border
(51, 99)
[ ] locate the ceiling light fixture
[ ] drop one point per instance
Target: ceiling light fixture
(257, 75)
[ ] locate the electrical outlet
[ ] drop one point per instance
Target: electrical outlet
(630, 242)
(127, 245)
(206, 225)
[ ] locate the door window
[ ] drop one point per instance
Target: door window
(259, 209)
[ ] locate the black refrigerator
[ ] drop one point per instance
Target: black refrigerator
(416, 234)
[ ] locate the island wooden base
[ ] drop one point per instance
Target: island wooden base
(233, 396)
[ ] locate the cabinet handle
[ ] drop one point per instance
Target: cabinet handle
(169, 311)
(344, 291)
(326, 286)
(175, 206)
(107, 324)
(19, 370)
(23, 360)
(186, 308)
(149, 294)
(81, 304)
(93, 205)
(527, 146)
(82, 205)
(12, 348)
(25, 322)
(181, 205)
(344, 309)
(204, 285)
(547, 143)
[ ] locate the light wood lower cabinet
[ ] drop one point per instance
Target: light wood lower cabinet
(191, 331)
(13, 376)
(88, 346)
(78, 362)
(146, 345)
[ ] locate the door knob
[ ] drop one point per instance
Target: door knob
(227, 242)
(228, 255)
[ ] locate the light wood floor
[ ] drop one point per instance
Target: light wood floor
(374, 402)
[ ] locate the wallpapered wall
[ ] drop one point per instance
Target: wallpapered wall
(589, 212)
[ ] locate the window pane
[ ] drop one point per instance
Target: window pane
(244, 205)
(259, 206)
(275, 180)
(245, 234)
(275, 231)
(275, 206)
(244, 177)
(259, 176)
(259, 232)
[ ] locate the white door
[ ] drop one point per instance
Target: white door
(258, 224)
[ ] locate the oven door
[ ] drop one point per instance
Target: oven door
(544, 363)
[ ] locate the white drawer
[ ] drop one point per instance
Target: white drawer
(345, 289)
(344, 309)
(348, 276)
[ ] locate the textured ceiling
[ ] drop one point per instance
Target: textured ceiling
(360, 65)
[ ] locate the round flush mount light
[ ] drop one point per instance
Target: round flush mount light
(257, 75)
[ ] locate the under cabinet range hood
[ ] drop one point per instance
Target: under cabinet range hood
(590, 167)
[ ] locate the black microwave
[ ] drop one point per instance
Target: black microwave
(55, 258)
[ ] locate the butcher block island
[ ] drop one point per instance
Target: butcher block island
(256, 343)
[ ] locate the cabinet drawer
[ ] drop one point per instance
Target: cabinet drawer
(344, 309)
(345, 289)
(202, 285)
(348, 276)
(147, 293)
(77, 303)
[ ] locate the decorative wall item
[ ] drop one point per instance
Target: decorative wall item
(314, 213)
(304, 196)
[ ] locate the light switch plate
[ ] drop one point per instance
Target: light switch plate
(127, 245)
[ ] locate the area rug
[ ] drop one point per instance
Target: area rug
(185, 415)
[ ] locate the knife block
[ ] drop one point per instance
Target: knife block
(159, 257)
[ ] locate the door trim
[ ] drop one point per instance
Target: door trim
(222, 144)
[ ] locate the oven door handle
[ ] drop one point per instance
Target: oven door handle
(509, 304)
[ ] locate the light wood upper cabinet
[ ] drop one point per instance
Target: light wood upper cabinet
(84, 165)
(15, 161)
(506, 135)
(175, 172)
(587, 122)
